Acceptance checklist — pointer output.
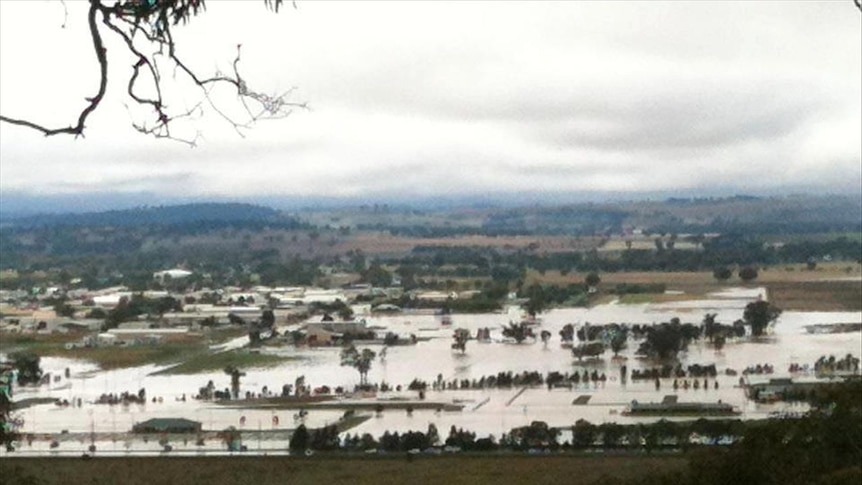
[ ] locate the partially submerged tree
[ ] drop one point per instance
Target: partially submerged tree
(546, 337)
(759, 315)
(519, 331)
(266, 324)
(235, 375)
(537, 300)
(28, 367)
(231, 437)
(461, 336)
(589, 350)
(666, 340)
(567, 334)
(718, 341)
(361, 361)
(618, 341)
(146, 30)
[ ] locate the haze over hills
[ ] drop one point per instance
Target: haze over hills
(15, 204)
(240, 244)
(754, 215)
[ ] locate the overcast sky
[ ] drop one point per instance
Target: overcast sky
(459, 98)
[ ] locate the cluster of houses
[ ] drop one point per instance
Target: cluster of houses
(35, 312)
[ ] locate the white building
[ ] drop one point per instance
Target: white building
(171, 274)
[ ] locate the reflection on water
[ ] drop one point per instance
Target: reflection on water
(500, 409)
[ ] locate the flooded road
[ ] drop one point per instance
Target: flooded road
(487, 411)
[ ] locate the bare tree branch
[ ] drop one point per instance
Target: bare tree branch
(65, 13)
(101, 55)
(151, 22)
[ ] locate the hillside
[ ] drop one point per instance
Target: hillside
(159, 215)
(241, 243)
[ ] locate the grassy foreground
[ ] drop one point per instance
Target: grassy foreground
(450, 470)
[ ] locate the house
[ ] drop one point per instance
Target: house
(111, 300)
(321, 336)
(784, 388)
(167, 425)
(387, 307)
(350, 326)
(105, 339)
(435, 296)
(671, 407)
(171, 274)
(316, 295)
(76, 327)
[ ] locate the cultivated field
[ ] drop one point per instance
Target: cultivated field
(830, 287)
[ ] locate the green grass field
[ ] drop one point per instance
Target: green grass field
(206, 362)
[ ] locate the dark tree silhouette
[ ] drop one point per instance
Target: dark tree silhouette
(361, 361)
(537, 300)
(546, 336)
(722, 273)
(710, 326)
(567, 334)
(748, 273)
(518, 331)
(759, 314)
(28, 366)
(235, 375)
(146, 28)
(299, 440)
(8, 430)
(461, 336)
(583, 433)
(589, 350)
(618, 341)
(666, 340)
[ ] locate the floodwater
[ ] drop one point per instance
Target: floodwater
(486, 412)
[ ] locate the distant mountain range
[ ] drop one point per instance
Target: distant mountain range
(159, 215)
(14, 204)
(749, 214)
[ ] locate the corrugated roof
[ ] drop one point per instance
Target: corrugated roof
(168, 423)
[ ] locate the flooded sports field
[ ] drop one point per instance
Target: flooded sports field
(53, 429)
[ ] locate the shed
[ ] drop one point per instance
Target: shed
(167, 425)
(106, 339)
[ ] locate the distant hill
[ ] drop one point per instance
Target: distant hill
(741, 214)
(752, 215)
(747, 214)
(187, 214)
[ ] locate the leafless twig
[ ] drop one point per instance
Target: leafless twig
(78, 129)
(151, 21)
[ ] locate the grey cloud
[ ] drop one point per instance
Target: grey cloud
(692, 127)
(146, 183)
(468, 96)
